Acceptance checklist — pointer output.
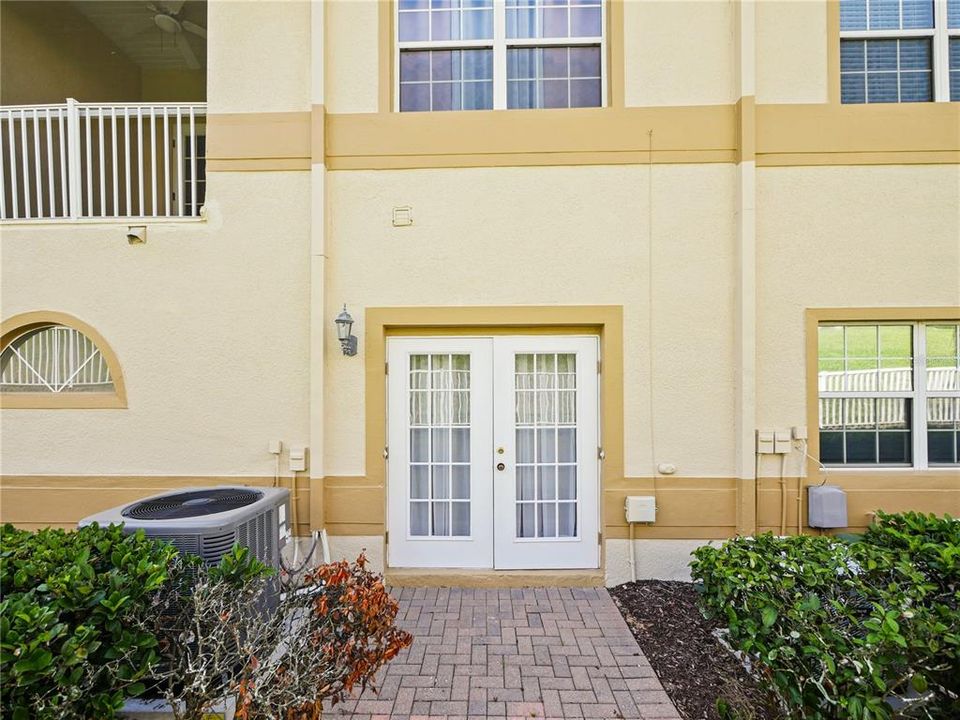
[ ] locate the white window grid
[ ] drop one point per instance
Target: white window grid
(434, 396)
(500, 44)
(918, 397)
(940, 36)
(532, 397)
(54, 359)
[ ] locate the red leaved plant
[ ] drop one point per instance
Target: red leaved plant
(338, 630)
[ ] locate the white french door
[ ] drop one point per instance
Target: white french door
(493, 452)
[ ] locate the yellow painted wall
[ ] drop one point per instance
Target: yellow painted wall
(208, 320)
(565, 235)
(49, 52)
(678, 53)
(675, 52)
(846, 237)
(791, 51)
(258, 56)
(352, 55)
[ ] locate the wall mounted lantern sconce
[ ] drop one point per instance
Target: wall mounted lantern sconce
(348, 341)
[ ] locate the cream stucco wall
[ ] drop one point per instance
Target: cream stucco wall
(845, 237)
(543, 236)
(208, 320)
(679, 53)
(791, 51)
(258, 56)
(352, 56)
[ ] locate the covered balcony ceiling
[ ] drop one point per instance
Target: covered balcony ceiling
(162, 34)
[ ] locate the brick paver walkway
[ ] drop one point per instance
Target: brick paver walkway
(523, 653)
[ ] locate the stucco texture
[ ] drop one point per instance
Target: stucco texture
(845, 237)
(791, 51)
(272, 73)
(207, 320)
(678, 53)
(553, 236)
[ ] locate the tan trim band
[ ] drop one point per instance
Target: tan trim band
(36, 501)
(582, 136)
(240, 142)
(773, 135)
(903, 133)
(13, 327)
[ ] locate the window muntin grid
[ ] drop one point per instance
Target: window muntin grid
(886, 14)
(545, 396)
(439, 465)
(54, 359)
(955, 68)
(515, 25)
(881, 385)
(894, 70)
(553, 77)
(943, 431)
(433, 20)
(446, 80)
(897, 50)
(530, 19)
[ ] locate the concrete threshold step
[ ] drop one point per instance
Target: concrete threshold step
(470, 578)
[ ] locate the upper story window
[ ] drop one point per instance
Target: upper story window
(47, 363)
(499, 54)
(889, 394)
(899, 50)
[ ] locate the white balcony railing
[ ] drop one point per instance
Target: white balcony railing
(102, 160)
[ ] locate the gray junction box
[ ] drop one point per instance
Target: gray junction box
(827, 506)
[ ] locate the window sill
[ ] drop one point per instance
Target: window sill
(60, 401)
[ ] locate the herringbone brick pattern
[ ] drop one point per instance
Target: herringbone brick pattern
(547, 653)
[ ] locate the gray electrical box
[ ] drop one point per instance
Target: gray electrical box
(827, 506)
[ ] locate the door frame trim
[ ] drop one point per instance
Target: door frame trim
(605, 321)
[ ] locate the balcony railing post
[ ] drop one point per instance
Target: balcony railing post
(73, 155)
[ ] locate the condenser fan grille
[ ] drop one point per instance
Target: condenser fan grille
(192, 504)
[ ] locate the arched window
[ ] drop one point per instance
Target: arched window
(52, 360)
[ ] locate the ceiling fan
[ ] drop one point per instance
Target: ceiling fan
(169, 18)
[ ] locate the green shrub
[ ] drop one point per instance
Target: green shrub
(73, 642)
(862, 629)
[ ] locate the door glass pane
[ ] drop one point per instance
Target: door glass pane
(525, 524)
(439, 463)
(546, 452)
(460, 526)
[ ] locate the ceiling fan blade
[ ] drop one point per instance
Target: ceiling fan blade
(194, 28)
(189, 57)
(173, 6)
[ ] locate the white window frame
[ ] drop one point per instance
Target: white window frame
(940, 35)
(918, 396)
(499, 45)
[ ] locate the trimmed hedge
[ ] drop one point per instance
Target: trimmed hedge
(74, 606)
(862, 628)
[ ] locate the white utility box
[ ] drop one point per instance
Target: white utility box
(641, 508)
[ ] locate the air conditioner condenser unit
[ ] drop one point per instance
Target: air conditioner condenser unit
(209, 521)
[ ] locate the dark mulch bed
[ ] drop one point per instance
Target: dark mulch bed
(695, 669)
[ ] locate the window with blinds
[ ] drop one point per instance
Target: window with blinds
(899, 51)
(889, 394)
